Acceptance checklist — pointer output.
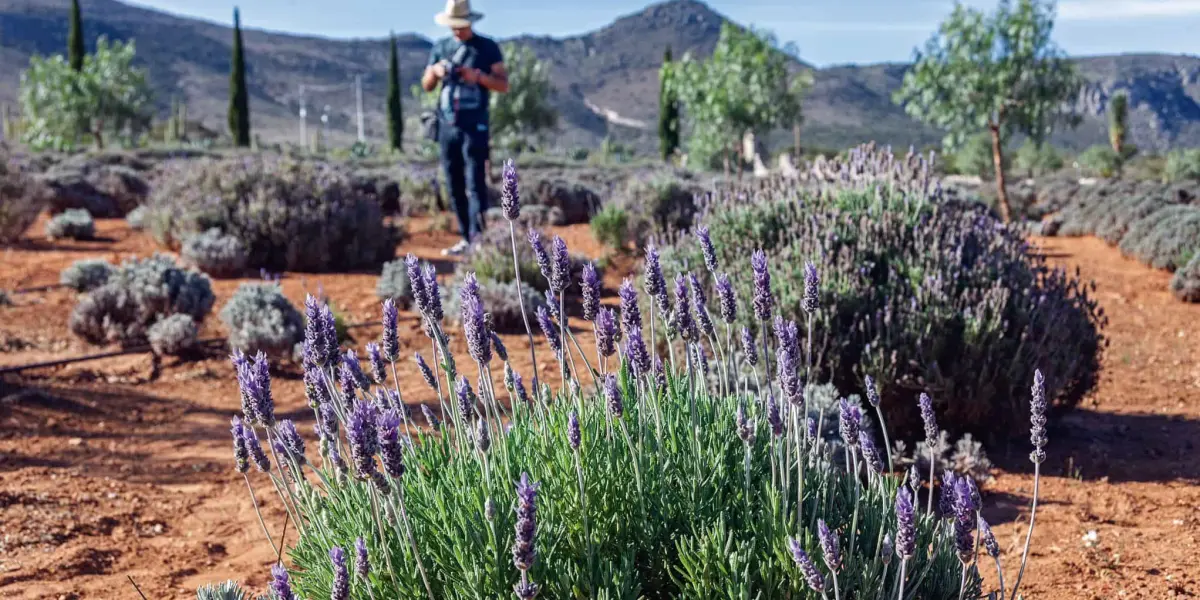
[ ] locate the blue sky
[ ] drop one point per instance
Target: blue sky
(826, 31)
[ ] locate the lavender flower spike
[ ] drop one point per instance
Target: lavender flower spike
(906, 524)
(466, 398)
(539, 252)
(829, 546)
(870, 451)
(886, 549)
(656, 284)
(574, 433)
(391, 334)
(254, 447)
(363, 440)
(849, 422)
(426, 372)
(416, 279)
(241, 454)
(683, 311)
(606, 332)
(431, 418)
(478, 341)
(341, 576)
(433, 297)
(550, 330)
(706, 247)
(872, 391)
(510, 192)
(280, 584)
(391, 453)
(764, 301)
(612, 394)
(807, 567)
(636, 353)
(989, 539)
(774, 416)
(811, 284)
(362, 560)
(631, 313)
(292, 443)
(1037, 409)
(560, 268)
(524, 553)
(498, 346)
(748, 347)
(378, 365)
(590, 284)
(930, 420)
(727, 299)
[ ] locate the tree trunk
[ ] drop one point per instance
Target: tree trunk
(998, 163)
(98, 135)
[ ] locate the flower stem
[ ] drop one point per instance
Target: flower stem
(903, 571)
(254, 501)
(512, 232)
(1037, 472)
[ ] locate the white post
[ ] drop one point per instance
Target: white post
(358, 100)
(303, 118)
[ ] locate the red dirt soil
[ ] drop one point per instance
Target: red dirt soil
(106, 475)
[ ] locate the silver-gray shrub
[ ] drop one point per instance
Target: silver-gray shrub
(394, 283)
(229, 590)
(174, 335)
(74, 224)
(216, 253)
(290, 215)
(137, 218)
(1166, 238)
(1185, 283)
(138, 294)
(260, 318)
(87, 274)
(23, 195)
(501, 299)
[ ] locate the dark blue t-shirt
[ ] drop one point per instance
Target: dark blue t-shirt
(461, 104)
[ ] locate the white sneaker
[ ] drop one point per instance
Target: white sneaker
(456, 249)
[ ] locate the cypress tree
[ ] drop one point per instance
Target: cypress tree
(75, 47)
(239, 98)
(668, 112)
(395, 109)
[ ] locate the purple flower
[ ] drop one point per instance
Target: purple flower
(433, 295)
(416, 280)
(701, 359)
(498, 346)
(430, 417)
(341, 576)
(807, 567)
(636, 353)
(280, 584)
(539, 253)
(727, 299)
(574, 433)
(526, 590)
(946, 497)
(483, 436)
(748, 347)
(241, 454)
(466, 398)
(872, 391)
(254, 380)
(930, 420)
(362, 560)
(631, 313)
(660, 373)
(327, 421)
(519, 388)
(683, 313)
(702, 316)
(291, 440)
(811, 284)
(849, 422)
(964, 521)
(774, 416)
(510, 192)
(810, 426)
(315, 386)
(870, 451)
(612, 395)
(706, 247)
(656, 284)
(478, 341)
(560, 269)
(254, 448)
(606, 332)
(745, 426)
(391, 453)
(523, 550)
(335, 459)
(989, 539)
(550, 330)
(886, 549)
(317, 342)
(363, 439)
(391, 334)
(360, 378)
(906, 524)
(1037, 410)
(788, 362)
(552, 304)
(764, 302)
(590, 284)
(829, 546)
(426, 372)
(378, 366)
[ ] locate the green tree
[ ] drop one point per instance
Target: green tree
(75, 46)
(1000, 73)
(239, 96)
(107, 97)
(668, 111)
(395, 108)
(526, 110)
(745, 86)
(1118, 120)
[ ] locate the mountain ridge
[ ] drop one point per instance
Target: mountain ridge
(605, 80)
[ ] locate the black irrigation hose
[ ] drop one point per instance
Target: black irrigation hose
(40, 288)
(127, 351)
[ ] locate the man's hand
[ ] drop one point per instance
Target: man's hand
(438, 69)
(469, 75)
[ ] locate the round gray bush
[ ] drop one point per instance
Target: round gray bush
(87, 274)
(24, 197)
(394, 283)
(501, 300)
(260, 317)
(174, 335)
(220, 255)
(75, 224)
(136, 218)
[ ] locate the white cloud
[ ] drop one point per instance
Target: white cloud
(1106, 10)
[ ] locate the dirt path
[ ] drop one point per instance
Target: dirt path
(105, 476)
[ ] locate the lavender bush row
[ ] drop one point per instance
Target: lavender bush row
(666, 476)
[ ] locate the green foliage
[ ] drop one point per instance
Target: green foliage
(86, 275)
(229, 590)
(76, 49)
(975, 157)
(109, 97)
(668, 111)
(610, 226)
(1036, 160)
(395, 108)
(744, 86)
(74, 224)
(239, 95)
(526, 111)
(1182, 165)
(260, 318)
(1118, 122)
(1100, 161)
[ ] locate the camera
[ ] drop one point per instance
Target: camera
(452, 65)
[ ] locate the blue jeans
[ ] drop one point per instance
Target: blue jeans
(465, 152)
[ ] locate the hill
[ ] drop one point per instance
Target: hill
(606, 81)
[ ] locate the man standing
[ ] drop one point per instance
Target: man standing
(469, 67)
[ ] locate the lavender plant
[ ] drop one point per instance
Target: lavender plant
(73, 224)
(24, 196)
(661, 483)
(86, 275)
(395, 284)
(216, 253)
(260, 318)
(174, 335)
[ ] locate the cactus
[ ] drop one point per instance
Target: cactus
(1118, 119)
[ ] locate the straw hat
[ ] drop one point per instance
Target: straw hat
(458, 13)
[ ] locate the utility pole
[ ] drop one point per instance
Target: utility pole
(303, 118)
(358, 101)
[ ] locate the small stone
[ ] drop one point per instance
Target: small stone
(75, 442)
